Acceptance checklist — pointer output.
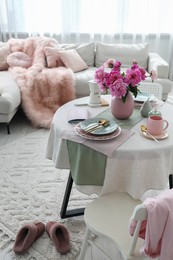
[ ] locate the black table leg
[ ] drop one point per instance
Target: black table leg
(8, 128)
(72, 212)
(170, 181)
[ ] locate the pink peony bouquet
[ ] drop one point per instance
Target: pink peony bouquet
(109, 76)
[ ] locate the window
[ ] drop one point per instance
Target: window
(87, 16)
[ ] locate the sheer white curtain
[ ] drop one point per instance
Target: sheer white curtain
(111, 21)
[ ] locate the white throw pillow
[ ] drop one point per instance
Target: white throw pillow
(85, 50)
(4, 52)
(125, 53)
(72, 60)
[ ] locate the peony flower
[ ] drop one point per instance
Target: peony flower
(112, 76)
(143, 73)
(109, 63)
(133, 77)
(153, 75)
(118, 88)
(100, 78)
(109, 76)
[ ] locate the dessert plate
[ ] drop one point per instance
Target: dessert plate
(90, 136)
(108, 129)
(162, 136)
(142, 97)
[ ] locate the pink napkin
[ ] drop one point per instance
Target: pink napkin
(106, 147)
(76, 115)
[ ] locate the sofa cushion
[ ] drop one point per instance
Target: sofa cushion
(125, 53)
(53, 57)
(72, 60)
(85, 50)
(2, 44)
(10, 97)
(81, 81)
(4, 52)
(19, 59)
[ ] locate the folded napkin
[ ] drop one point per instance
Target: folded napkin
(77, 115)
(106, 147)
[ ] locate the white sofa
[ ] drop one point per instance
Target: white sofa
(10, 98)
(94, 55)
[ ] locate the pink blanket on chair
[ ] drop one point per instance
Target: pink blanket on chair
(43, 90)
(158, 229)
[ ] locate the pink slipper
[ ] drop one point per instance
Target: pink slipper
(59, 236)
(27, 235)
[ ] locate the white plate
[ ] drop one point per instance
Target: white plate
(103, 131)
(89, 136)
(142, 97)
(164, 135)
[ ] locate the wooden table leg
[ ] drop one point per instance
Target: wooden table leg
(72, 212)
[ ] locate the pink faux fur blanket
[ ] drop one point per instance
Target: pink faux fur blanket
(43, 90)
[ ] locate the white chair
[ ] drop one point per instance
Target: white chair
(151, 88)
(109, 217)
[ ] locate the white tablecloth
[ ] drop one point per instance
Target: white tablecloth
(138, 165)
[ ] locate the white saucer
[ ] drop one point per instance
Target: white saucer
(162, 136)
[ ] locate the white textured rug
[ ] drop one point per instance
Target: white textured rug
(31, 189)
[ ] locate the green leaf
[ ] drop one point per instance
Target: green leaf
(124, 99)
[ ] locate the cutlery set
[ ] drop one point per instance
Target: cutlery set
(96, 126)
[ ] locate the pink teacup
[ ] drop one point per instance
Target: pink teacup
(156, 124)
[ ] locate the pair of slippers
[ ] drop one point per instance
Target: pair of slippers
(31, 232)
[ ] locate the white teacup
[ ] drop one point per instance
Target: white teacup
(156, 124)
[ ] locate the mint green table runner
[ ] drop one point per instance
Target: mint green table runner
(126, 123)
(87, 165)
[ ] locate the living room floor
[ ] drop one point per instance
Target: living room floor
(20, 126)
